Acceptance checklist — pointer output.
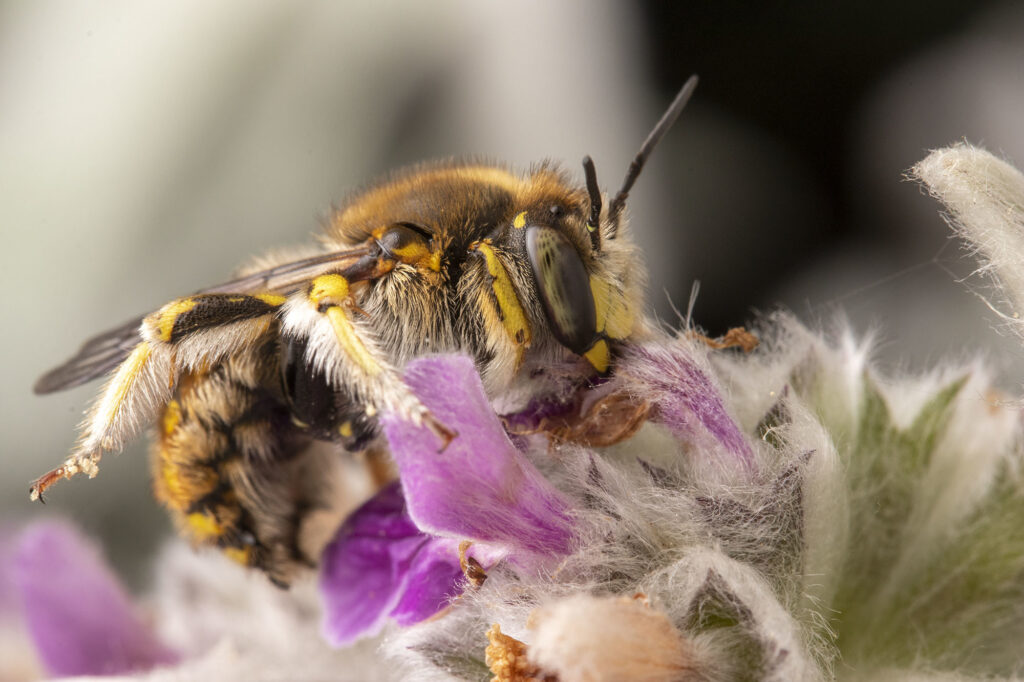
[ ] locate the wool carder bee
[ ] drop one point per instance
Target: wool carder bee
(533, 276)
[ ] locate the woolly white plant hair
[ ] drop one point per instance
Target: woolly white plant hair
(985, 199)
(874, 539)
(882, 539)
(877, 535)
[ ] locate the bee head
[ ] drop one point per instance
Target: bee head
(575, 302)
(514, 256)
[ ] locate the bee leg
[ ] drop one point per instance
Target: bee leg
(608, 420)
(346, 347)
(380, 466)
(129, 400)
(500, 306)
(186, 333)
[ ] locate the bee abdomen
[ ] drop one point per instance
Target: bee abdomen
(222, 467)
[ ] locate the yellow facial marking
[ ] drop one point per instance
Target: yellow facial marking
(166, 316)
(600, 292)
(598, 356)
(614, 317)
(519, 222)
(203, 526)
(512, 316)
(614, 321)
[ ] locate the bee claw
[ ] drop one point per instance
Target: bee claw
(445, 434)
(35, 491)
(76, 464)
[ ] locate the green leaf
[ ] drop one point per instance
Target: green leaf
(966, 610)
(775, 418)
(884, 466)
(460, 666)
(717, 610)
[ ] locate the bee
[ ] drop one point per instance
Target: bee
(532, 275)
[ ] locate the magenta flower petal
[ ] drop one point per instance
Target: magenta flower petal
(433, 580)
(366, 568)
(10, 603)
(481, 487)
(380, 566)
(687, 401)
(537, 410)
(80, 619)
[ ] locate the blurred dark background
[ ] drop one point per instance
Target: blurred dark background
(147, 149)
(798, 74)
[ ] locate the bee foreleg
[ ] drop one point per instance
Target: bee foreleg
(184, 334)
(346, 349)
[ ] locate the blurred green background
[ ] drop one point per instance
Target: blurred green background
(147, 148)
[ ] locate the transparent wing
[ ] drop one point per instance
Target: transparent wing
(102, 353)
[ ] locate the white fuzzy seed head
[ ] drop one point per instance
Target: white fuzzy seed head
(584, 638)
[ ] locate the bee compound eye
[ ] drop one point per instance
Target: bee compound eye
(564, 287)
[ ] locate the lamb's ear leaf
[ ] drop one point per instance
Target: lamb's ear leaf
(459, 666)
(964, 608)
(717, 610)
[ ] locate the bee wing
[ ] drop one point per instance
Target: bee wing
(96, 357)
(102, 353)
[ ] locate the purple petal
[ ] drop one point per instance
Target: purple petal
(433, 580)
(538, 410)
(10, 603)
(366, 567)
(80, 619)
(480, 487)
(687, 401)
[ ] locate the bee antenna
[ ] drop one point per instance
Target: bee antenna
(594, 222)
(662, 127)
